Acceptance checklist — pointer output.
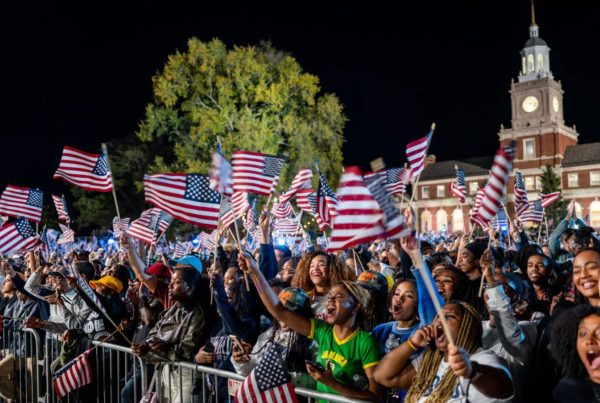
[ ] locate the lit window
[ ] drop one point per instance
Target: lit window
(524, 65)
(540, 62)
(473, 187)
(425, 192)
(528, 149)
(441, 191)
(573, 180)
(595, 178)
(530, 67)
(426, 220)
(538, 183)
(530, 183)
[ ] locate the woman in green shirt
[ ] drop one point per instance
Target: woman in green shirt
(347, 354)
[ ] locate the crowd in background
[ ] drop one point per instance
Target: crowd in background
(522, 321)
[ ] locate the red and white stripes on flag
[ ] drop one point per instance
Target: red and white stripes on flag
(302, 180)
(120, 226)
(495, 188)
(61, 208)
(327, 201)
(303, 201)
(416, 151)
(84, 170)
(287, 226)
(359, 218)
(393, 221)
(473, 213)
(535, 212)
(232, 209)
(255, 172)
(67, 236)
(186, 197)
(458, 187)
(520, 195)
(208, 241)
(145, 228)
(549, 199)
(73, 375)
(22, 202)
(17, 236)
(282, 210)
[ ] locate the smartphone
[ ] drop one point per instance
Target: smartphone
(315, 364)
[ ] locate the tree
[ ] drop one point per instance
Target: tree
(551, 183)
(254, 97)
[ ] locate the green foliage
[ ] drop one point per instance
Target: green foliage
(254, 98)
(551, 183)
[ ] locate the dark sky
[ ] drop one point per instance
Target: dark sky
(79, 73)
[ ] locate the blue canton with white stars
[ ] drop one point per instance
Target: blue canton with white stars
(197, 189)
(24, 228)
(271, 371)
(384, 200)
(324, 189)
(101, 168)
(273, 166)
(394, 175)
(35, 198)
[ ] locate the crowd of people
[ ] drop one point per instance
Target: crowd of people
(508, 319)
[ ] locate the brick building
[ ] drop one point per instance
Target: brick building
(542, 138)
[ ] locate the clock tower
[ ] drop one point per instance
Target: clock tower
(537, 123)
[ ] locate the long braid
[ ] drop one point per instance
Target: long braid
(469, 337)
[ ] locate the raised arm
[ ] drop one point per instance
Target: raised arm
(138, 265)
(270, 300)
(268, 261)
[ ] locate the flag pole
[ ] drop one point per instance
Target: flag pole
(540, 228)
(237, 233)
(402, 194)
(546, 222)
(425, 157)
(114, 193)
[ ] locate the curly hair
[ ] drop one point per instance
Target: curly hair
(563, 339)
(469, 337)
(363, 298)
(335, 273)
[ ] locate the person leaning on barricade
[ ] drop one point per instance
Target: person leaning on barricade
(177, 335)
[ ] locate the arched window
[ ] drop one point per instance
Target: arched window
(441, 220)
(426, 221)
(595, 214)
(579, 210)
(458, 222)
(524, 65)
(530, 66)
(540, 62)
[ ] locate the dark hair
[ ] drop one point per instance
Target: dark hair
(279, 283)
(86, 268)
(584, 236)
(563, 339)
(191, 277)
(462, 281)
(393, 291)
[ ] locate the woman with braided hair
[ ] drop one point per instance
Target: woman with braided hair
(434, 375)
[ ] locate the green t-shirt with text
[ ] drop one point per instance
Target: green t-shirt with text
(346, 357)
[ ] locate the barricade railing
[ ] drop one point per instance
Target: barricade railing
(27, 366)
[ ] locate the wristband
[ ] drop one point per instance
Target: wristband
(410, 345)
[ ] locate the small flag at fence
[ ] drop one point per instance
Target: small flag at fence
(75, 374)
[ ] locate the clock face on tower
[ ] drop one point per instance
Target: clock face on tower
(530, 104)
(555, 104)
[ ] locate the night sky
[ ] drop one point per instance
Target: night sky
(80, 73)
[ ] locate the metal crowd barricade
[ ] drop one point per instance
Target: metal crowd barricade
(27, 366)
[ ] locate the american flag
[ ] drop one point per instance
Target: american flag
(145, 228)
(359, 218)
(312, 199)
(44, 243)
(75, 374)
(232, 209)
(18, 235)
(255, 173)
(535, 213)
(3, 220)
(208, 241)
(22, 202)
(476, 204)
(302, 180)
(521, 202)
(179, 251)
(394, 180)
(549, 199)
(303, 202)
(220, 173)
(286, 226)
(269, 381)
(164, 220)
(186, 197)
(282, 210)
(416, 152)
(68, 236)
(250, 222)
(459, 187)
(327, 202)
(393, 220)
(61, 208)
(120, 226)
(495, 188)
(84, 170)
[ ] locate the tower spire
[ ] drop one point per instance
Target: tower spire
(533, 24)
